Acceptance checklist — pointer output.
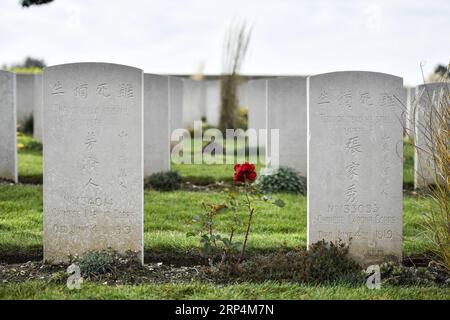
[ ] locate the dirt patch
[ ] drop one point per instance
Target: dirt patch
(153, 272)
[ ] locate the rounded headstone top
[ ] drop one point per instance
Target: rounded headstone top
(356, 73)
(91, 65)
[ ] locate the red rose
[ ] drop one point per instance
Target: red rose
(244, 172)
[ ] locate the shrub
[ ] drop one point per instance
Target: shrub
(433, 274)
(33, 146)
(322, 263)
(164, 181)
(96, 263)
(27, 126)
(283, 179)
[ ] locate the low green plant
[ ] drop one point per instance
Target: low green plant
(97, 263)
(33, 146)
(283, 179)
(433, 274)
(322, 263)
(164, 181)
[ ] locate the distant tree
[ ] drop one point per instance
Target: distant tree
(32, 62)
(29, 65)
(440, 73)
(29, 3)
(236, 44)
(442, 70)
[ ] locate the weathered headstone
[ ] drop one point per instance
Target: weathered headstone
(25, 97)
(286, 111)
(176, 103)
(156, 124)
(8, 137)
(430, 100)
(193, 102)
(257, 104)
(355, 163)
(212, 103)
(93, 159)
(38, 110)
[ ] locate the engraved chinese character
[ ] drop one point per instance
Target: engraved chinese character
(91, 162)
(351, 170)
(350, 194)
(81, 91)
(123, 134)
(91, 183)
(353, 146)
(387, 100)
(365, 99)
(102, 89)
(57, 88)
(90, 140)
(126, 90)
(385, 145)
(323, 98)
(345, 99)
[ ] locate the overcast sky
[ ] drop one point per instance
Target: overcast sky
(178, 36)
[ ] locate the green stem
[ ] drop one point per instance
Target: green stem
(249, 222)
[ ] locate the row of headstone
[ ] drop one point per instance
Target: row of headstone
(93, 157)
(281, 103)
(95, 140)
(202, 100)
(96, 133)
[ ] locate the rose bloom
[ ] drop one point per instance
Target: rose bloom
(244, 172)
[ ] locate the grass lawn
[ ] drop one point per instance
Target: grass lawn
(199, 290)
(167, 217)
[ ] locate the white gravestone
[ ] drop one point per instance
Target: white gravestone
(156, 124)
(176, 103)
(8, 137)
(93, 159)
(257, 109)
(38, 110)
(242, 93)
(410, 107)
(286, 111)
(257, 104)
(25, 96)
(430, 98)
(193, 102)
(355, 163)
(212, 103)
